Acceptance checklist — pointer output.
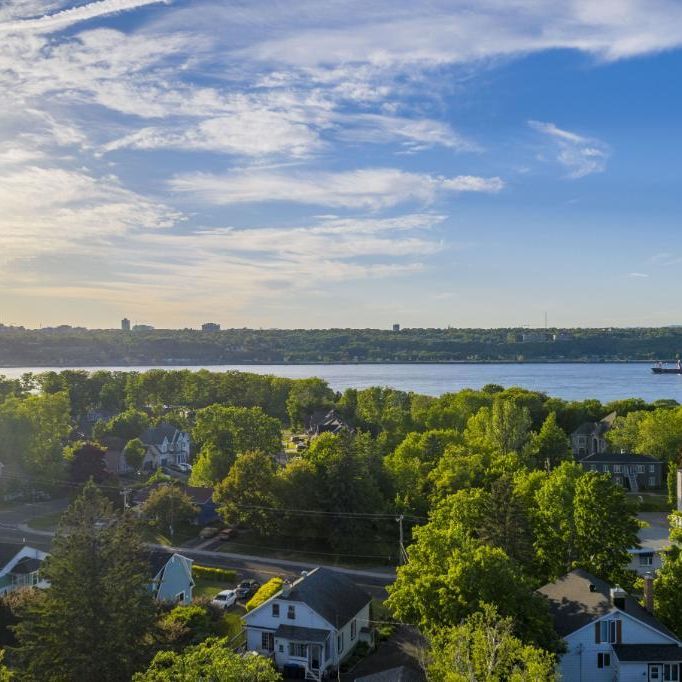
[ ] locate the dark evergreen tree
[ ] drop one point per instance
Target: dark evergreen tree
(95, 620)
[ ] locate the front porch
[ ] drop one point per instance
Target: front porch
(303, 653)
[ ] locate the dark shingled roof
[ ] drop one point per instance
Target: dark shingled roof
(573, 604)
(26, 565)
(158, 558)
(619, 458)
(297, 634)
(332, 595)
(648, 652)
(8, 550)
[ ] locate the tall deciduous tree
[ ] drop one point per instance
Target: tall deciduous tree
(212, 660)
(95, 619)
(551, 445)
(485, 647)
(668, 591)
(504, 427)
(134, 452)
(87, 462)
(169, 508)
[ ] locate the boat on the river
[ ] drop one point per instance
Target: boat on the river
(660, 368)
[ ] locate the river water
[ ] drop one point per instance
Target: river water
(604, 381)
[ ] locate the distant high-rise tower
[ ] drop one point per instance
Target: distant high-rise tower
(396, 327)
(125, 324)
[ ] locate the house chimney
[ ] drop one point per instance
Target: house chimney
(618, 595)
(649, 590)
(679, 490)
(286, 589)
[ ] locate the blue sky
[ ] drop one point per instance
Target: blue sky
(319, 164)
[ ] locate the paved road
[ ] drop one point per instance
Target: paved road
(14, 529)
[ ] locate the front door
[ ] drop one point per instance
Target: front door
(314, 656)
(655, 672)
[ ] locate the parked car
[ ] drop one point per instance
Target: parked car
(247, 588)
(225, 599)
(208, 532)
(227, 534)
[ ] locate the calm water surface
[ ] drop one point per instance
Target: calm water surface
(570, 381)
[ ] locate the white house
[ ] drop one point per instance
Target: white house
(172, 577)
(654, 542)
(311, 625)
(20, 567)
(608, 635)
(165, 445)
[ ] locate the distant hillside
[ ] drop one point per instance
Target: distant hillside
(79, 347)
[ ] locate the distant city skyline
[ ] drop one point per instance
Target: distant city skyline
(340, 164)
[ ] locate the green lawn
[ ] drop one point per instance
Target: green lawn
(46, 522)
(209, 588)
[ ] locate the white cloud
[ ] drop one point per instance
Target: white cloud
(61, 20)
(578, 154)
(638, 275)
(373, 188)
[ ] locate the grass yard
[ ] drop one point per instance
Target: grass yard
(46, 522)
(209, 588)
(651, 501)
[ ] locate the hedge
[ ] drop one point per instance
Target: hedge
(214, 574)
(270, 588)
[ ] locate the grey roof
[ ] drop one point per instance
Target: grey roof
(297, 634)
(332, 595)
(573, 604)
(402, 673)
(154, 435)
(648, 652)
(619, 458)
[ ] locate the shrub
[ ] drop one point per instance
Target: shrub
(214, 574)
(272, 587)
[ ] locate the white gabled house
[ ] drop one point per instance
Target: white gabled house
(609, 635)
(165, 445)
(20, 567)
(312, 625)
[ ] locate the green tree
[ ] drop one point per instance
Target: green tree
(668, 591)
(212, 660)
(449, 575)
(624, 435)
(550, 445)
(212, 465)
(127, 425)
(134, 452)
(305, 397)
(248, 493)
(582, 520)
(169, 508)
(484, 647)
(95, 620)
(504, 427)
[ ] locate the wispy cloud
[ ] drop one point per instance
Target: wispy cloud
(373, 189)
(68, 17)
(580, 155)
(638, 275)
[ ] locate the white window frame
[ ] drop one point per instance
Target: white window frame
(267, 641)
(353, 629)
(640, 468)
(603, 660)
(291, 612)
(646, 559)
(275, 610)
(652, 481)
(607, 631)
(671, 672)
(652, 468)
(616, 468)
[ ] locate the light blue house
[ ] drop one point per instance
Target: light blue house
(172, 581)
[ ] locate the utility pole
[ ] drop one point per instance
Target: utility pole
(125, 492)
(402, 554)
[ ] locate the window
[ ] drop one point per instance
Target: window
(339, 642)
(298, 650)
(275, 610)
(616, 468)
(646, 559)
(640, 468)
(608, 631)
(605, 468)
(281, 648)
(652, 468)
(353, 630)
(179, 597)
(619, 480)
(291, 612)
(671, 672)
(593, 467)
(652, 481)
(603, 660)
(267, 641)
